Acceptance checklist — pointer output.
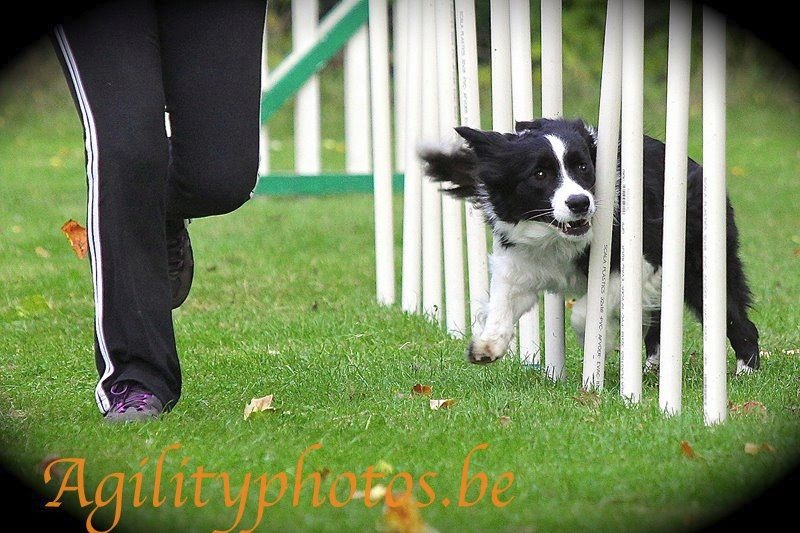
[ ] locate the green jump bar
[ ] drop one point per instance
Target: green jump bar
(344, 21)
(319, 184)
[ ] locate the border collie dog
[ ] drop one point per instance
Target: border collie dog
(535, 189)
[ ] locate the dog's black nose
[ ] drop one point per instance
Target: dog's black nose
(578, 203)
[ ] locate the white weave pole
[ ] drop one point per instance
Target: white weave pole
(467, 54)
(412, 188)
(501, 66)
(631, 205)
(381, 150)
(552, 107)
(674, 238)
(399, 46)
(356, 113)
(522, 109)
(452, 213)
(431, 198)
(605, 197)
(501, 80)
(263, 132)
(715, 398)
(305, 15)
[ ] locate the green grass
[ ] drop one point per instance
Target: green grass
(283, 304)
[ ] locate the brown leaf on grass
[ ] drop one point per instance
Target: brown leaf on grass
(384, 467)
(748, 408)
(77, 237)
(688, 451)
(401, 515)
(258, 405)
(441, 404)
(425, 390)
(589, 398)
(751, 448)
(504, 420)
(41, 252)
(797, 252)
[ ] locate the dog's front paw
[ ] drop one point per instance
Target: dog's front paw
(481, 352)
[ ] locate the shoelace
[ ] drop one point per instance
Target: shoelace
(127, 399)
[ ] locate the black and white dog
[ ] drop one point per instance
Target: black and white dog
(535, 189)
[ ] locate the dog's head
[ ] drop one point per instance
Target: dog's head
(533, 183)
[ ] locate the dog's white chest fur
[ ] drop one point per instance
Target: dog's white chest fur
(540, 260)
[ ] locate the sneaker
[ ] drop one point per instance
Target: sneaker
(130, 402)
(180, 260)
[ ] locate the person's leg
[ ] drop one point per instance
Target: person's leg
(111, 58)
(211, 55)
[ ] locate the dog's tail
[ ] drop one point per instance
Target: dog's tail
(451, 164)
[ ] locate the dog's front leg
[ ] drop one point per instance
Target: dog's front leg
(508, 301)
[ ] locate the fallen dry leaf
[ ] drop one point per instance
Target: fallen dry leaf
(748, 407)
(505, 420)
(442, 404)
(77, 237)
(384, 467)
(403, 515)
(569, 304)
(41, 252)
(688, 451)
(422, 389)
(588, 398)
(258, 405)
(751, 448)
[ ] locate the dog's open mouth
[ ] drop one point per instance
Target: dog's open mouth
(574, 228)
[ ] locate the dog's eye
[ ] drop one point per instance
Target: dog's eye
(583, 167)
(538, 174)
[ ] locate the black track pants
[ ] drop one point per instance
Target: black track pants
(126, 63)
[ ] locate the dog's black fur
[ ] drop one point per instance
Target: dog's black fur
(512, 177)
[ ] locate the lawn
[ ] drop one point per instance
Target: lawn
(283, 304)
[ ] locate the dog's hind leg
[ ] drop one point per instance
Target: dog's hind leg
(741, 332)
(652, 342)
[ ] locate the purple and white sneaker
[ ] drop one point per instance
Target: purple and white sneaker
(130, 402)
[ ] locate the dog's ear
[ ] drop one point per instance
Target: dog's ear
(482, 142)
(588, 133)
